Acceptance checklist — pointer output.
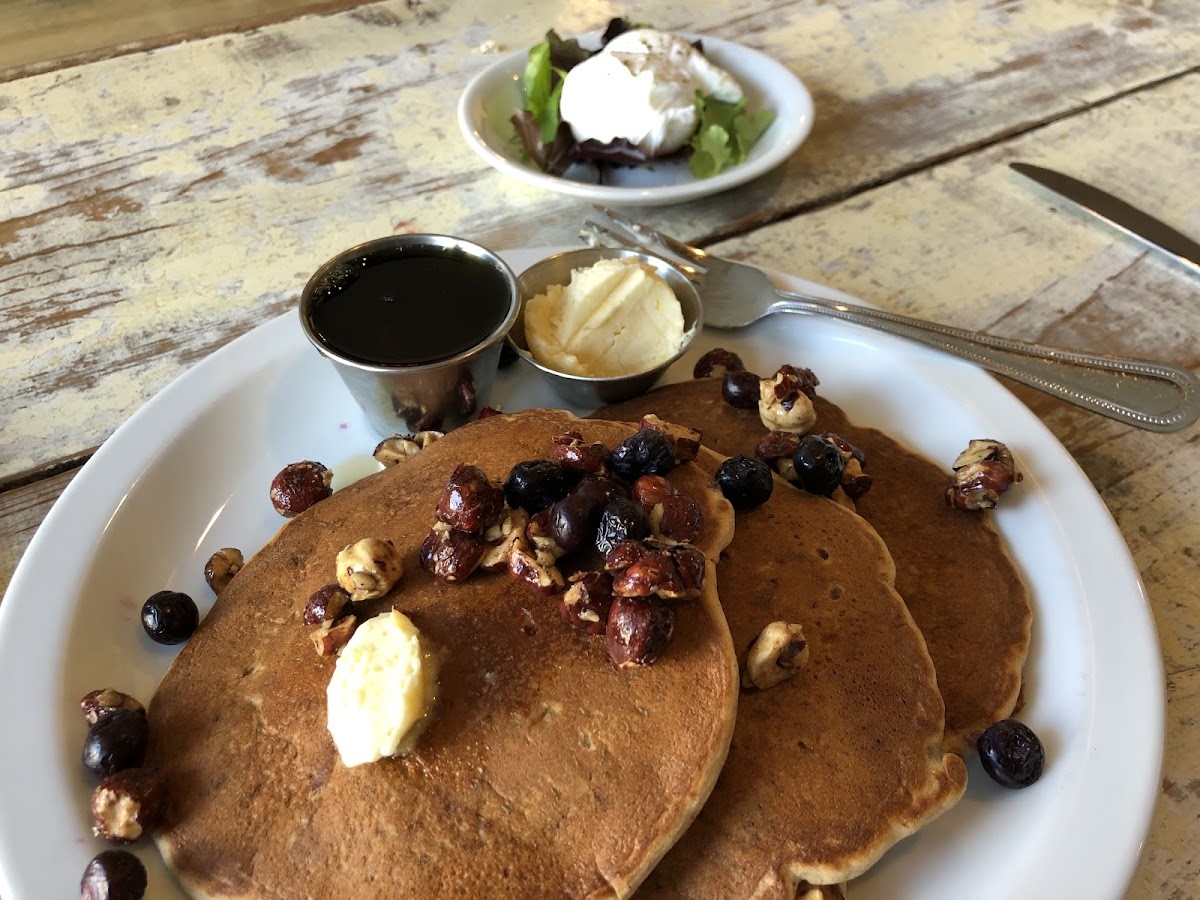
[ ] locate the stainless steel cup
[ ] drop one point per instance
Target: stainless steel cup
(438, 395)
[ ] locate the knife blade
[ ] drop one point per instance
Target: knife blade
(1116, 212)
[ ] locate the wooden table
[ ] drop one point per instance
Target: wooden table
(158, 200)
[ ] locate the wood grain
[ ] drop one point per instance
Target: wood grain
(159, 204)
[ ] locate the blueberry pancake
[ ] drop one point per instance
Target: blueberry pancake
(546, 771)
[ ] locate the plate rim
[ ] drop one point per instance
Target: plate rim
(469, 112)
(1114, 859)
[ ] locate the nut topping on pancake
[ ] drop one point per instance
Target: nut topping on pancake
(718, 361)
(470, 501)
(369, 568)
(535, 568)
(778, 653)
(299, 485)
(331, 636)
(570, 452)
(400, 447)
(638, 632)
(685, 441)
(785, 400)
(451, 555)
(587, 601)
(503, 538)
(982, 472)
(325, 604)
(222, 566)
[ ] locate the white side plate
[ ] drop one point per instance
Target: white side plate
(189, 472)
(493, 96)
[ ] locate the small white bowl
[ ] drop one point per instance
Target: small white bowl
(580, 390)
(493, 96)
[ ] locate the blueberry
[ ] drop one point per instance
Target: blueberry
(819, 465)
(535, 484)
(740, 389)
(573, 521)
(170, 617)
(621, 520)
(600, 486)
(1011, 753)
(113, 875)
(116, 742)
(745, 482)
(648, 452)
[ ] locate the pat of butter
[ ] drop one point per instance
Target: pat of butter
(383, 690)
(617, 317)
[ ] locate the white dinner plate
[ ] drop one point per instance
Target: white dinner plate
(189, 472)
(490, 100)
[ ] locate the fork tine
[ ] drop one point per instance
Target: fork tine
(685, 251)
(596, 235)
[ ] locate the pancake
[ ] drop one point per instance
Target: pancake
(546, 772)
(831, 767)
(963, 590)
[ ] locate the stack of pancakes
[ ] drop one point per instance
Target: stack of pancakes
(547, 772)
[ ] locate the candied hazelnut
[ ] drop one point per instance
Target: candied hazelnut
(689, 563)
(330, 637)
(638, 631)
(718, 361)
(450, 555)
(776, 449)
(113, 875)
(535, 569)
(369, 568)
(677, 518)
(652, 568)
(98, 704)
(502, 538)
(778, 653)
(470, 502)
(685, 442)
(783, 404)
(587, 601)
(126, 804)
(400, 447)
(624, 555)
(573, 454)
(325, 604)
(652, 575)
(982, 472)
(299, 485)
(805, 379)
(222, 566)
(651, 490)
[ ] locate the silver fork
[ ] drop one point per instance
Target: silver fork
(1149, 395)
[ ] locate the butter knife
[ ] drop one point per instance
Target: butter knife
(1117, 213)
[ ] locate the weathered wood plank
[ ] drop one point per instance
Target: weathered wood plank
(40, 35)
(21, 512)
(156, 205)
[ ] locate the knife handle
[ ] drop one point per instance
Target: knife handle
(1145, 394)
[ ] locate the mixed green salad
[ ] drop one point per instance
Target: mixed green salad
(724, 135)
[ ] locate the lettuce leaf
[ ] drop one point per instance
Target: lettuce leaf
(543, 86)
(725, 134)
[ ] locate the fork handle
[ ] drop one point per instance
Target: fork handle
(1145, 394)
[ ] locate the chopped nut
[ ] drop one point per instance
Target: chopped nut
(652, 568)
(331, 637)
(222, 566)
(369, 568)
(717, 362)
(470, 502)
(587, 601)
(127, 804)
(573, 454)
(325, 604)
(855, 482)
(535, 569)
(300, 485)
(783, 404)
(982, 472)
(685, 441)
(538, 534)
(776, 449)
(98, 704)
(651, 490)
(450, 555)
(400, 447)
(502, 538)
(778, 653)
(638, 631)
